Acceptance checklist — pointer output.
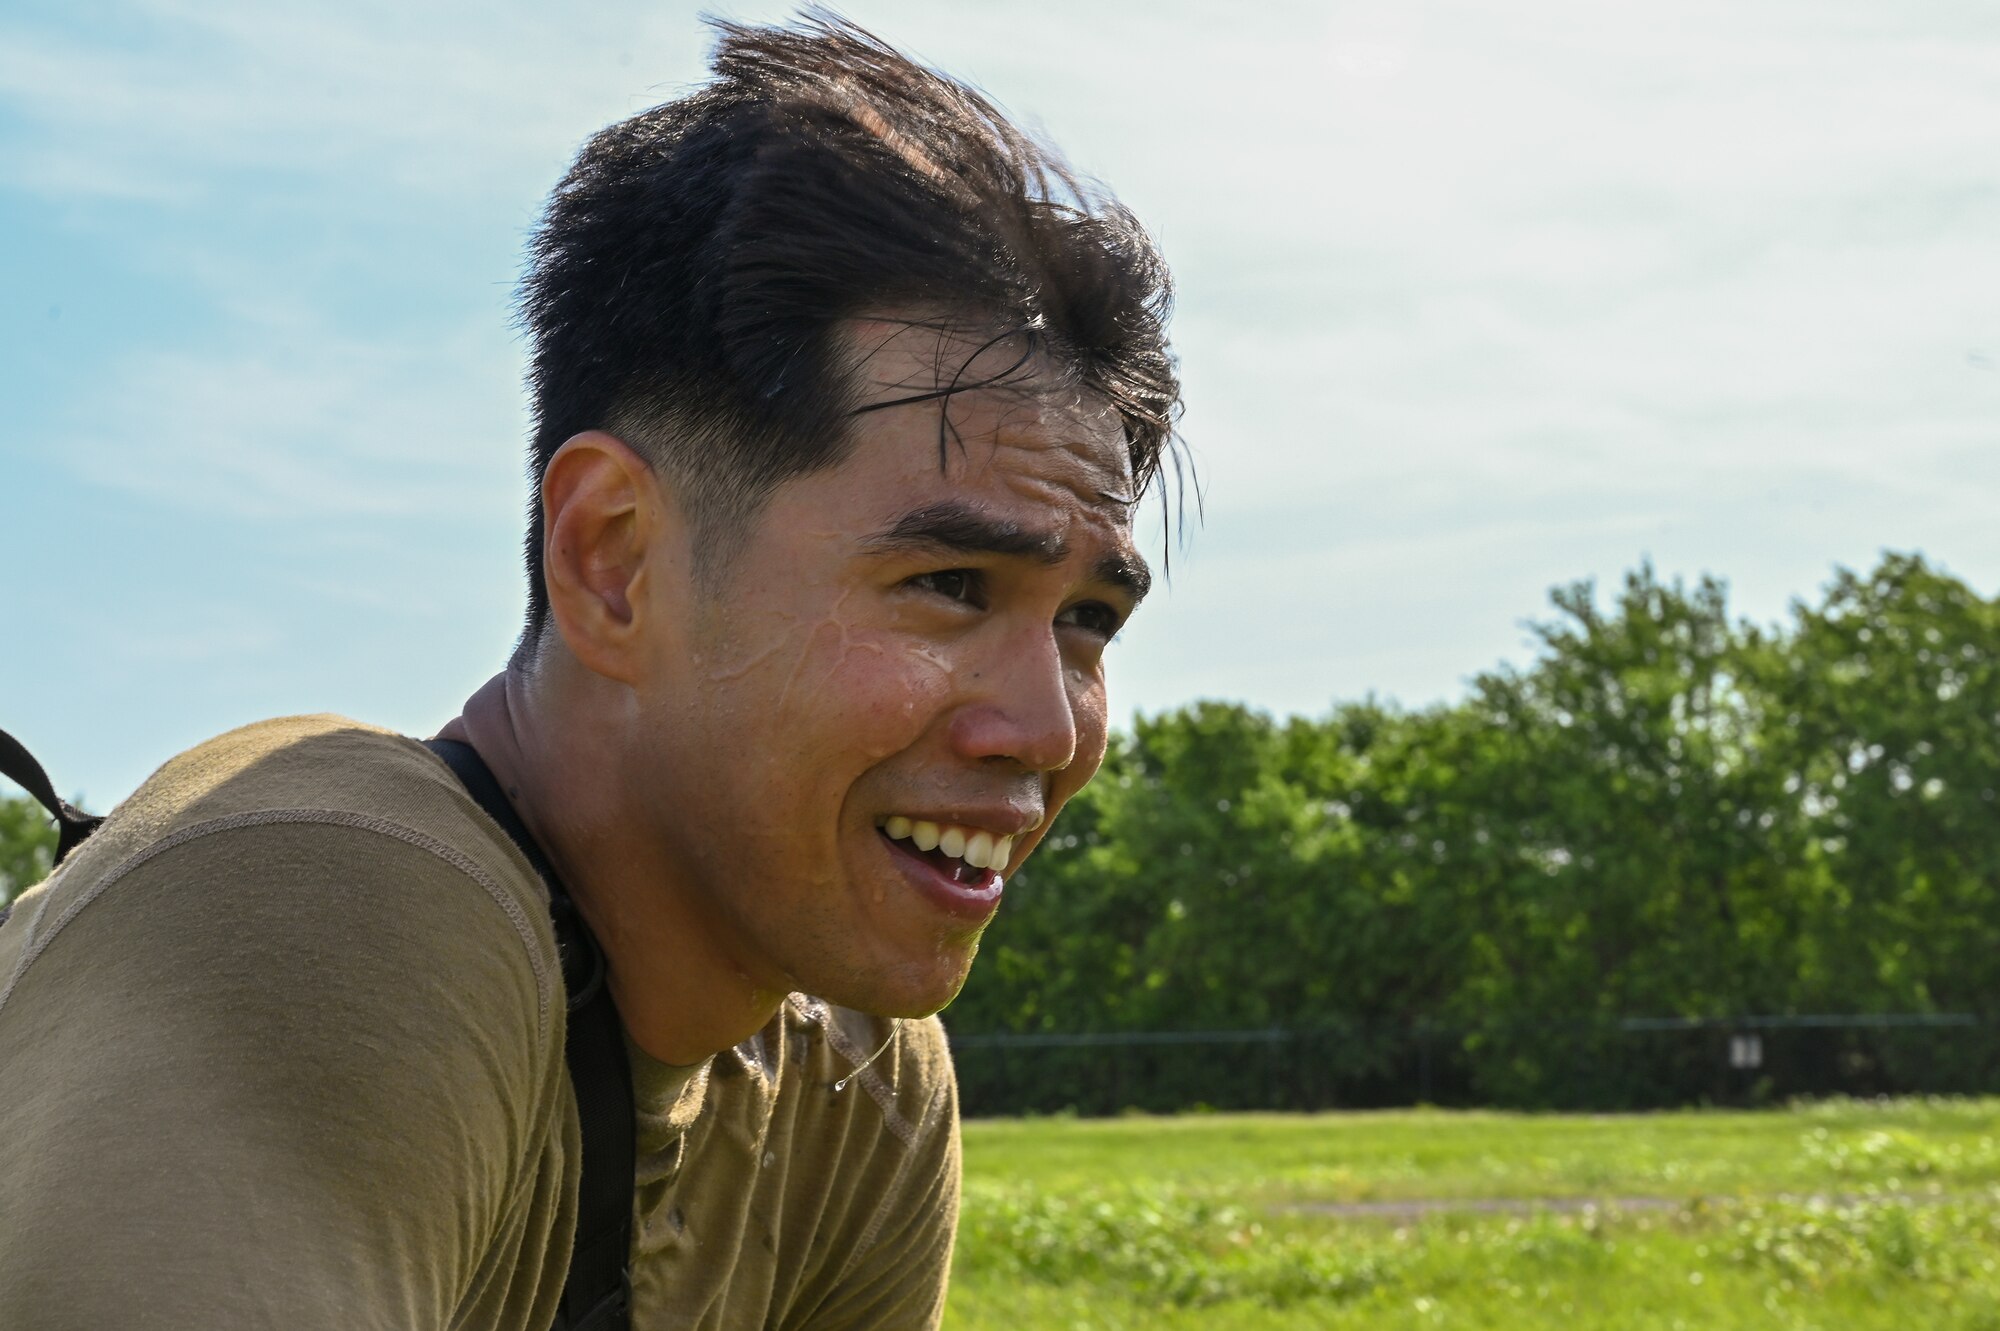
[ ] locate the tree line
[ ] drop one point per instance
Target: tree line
(1665, 813)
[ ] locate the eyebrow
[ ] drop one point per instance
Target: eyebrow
(959, 528)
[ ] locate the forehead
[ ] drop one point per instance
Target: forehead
(947, 407)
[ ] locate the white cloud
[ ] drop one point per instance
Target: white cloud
(307, 426)
(1470, 303)
(423, 99)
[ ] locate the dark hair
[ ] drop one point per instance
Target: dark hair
(692, 270)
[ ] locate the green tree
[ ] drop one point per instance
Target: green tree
(1665, 813)
(1885, 703)
(1631, 836)
(1061, 955)
(27, 845)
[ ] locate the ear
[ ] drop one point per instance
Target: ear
(612, 537)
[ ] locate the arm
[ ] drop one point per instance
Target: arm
(288, 1075)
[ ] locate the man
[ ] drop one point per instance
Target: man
(845, 393)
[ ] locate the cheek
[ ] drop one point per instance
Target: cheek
(876, 691)
(1093, 732)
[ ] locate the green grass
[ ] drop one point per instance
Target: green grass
(1838, 1215)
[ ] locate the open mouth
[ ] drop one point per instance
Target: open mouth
(965, 875)
(967, 859)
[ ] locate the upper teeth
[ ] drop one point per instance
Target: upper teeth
(976, 846)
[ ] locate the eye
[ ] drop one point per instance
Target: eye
(1094, 617)
(954, 584)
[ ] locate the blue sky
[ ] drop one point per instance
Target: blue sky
(1474, 300)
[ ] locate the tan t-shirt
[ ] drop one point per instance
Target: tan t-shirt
(282, 1046)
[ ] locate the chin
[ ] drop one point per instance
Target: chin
(910, 994)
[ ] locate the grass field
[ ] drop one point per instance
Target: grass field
(1836, 1215)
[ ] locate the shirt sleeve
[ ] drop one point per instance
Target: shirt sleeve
(285, 1075)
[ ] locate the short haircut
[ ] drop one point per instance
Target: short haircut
(692, 272)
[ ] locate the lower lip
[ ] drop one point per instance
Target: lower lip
(967, 901)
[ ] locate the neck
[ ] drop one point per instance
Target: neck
(678, 994)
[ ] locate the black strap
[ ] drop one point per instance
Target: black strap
(20, 767)
(597, 1295)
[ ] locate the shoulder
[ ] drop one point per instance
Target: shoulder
(312, 772)
(288, 1011)
(324, 830)
(327, 765)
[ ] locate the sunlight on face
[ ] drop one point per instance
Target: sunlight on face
(910, 639)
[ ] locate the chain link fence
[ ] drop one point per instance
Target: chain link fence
(1624, 1064)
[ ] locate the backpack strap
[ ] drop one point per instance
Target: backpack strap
(72, 823)
(597, 1295)
(20, 767)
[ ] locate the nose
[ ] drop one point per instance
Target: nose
(1021, 708)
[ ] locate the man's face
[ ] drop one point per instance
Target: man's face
(904, 647)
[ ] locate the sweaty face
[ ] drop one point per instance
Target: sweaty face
(870, 717)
